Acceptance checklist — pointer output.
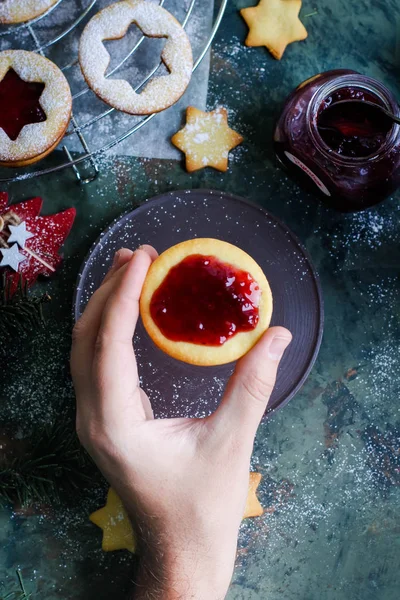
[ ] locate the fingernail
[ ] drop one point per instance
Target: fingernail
(277, 347)
(116, 258)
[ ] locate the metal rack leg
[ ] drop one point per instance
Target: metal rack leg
(96, 170)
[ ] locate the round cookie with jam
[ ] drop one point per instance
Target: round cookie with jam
(205, 302)
(35, 107)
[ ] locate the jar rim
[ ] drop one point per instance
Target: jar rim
(362, 82)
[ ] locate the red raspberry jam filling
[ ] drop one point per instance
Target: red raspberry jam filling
(19, 104)
(205, 301)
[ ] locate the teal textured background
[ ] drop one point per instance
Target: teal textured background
(331, 481)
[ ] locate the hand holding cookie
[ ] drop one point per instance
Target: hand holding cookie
(184, 481)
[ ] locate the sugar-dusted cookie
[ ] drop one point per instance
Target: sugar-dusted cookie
(19, 11)
(205, 302)
(112, 23)
(206, 139)
(274, 24)
(114, 521)
(253, 505)
(35, 107)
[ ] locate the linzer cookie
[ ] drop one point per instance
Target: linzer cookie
(206, 139)
(205, 302)
(112, 23)
(35, 107)
(19, 11)
(274, 24)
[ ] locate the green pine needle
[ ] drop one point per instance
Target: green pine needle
(52, 464)
(19, 313)
(22, 585)
(20, 595)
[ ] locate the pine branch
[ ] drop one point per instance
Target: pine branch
(53, 464)
(19, 313)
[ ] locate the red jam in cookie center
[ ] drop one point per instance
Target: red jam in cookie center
(205, 301)
(19, 103)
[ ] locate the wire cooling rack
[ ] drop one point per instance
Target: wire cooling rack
(86, 166)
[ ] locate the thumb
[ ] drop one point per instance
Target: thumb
(250, 387)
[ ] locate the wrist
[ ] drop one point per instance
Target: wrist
(199, 578)
(184, 576)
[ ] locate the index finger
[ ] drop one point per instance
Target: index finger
(114, 363)
(87, 328)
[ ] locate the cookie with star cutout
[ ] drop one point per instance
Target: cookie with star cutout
(274, 24)
(206, 139)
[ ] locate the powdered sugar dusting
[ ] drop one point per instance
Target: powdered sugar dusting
(17, 11)
(206, 139)
(154, 21)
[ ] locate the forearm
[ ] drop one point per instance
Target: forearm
(183, 561)
(150, 587)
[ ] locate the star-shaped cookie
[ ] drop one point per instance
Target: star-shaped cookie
(253, 506)
(206, 139)
(117, 528)
(274, 24)
(114, 521)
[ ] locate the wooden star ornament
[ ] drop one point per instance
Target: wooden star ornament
(206, 139)
(115, 523)
(117, 529)
(19, 234)
(274, 24)
(11, 257)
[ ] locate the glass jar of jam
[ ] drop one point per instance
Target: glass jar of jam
(347, 153)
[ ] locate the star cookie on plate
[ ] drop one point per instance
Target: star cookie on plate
(206, 139)
(274, 24)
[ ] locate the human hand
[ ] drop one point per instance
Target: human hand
(183, 481)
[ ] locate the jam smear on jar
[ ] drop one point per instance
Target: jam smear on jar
(205, 301)
(19, 104)
(353, 129)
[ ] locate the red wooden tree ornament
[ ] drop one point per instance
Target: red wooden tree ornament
(42, 249)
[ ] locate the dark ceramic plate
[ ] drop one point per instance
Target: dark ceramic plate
(178, 389)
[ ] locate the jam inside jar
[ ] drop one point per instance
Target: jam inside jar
(349, 153)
